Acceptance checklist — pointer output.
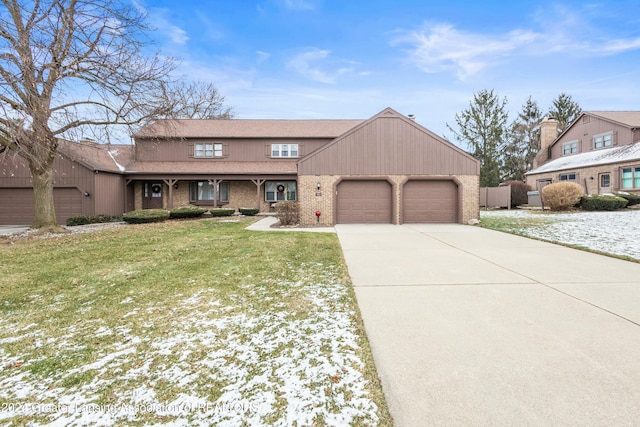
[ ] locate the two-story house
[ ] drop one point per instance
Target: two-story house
(600, 150)
(387, 169)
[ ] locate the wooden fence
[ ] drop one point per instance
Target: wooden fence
(495, 197)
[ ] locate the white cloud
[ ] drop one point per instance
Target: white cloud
(309, 64)
(263, 56)
(441, 47)
(158, 18)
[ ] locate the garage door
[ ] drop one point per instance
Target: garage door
(430, 201)
(16, 205)
(364, 202)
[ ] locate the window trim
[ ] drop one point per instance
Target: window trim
(634, 177)
(603, 135)
(193, 187)
(276, 151)
(286, 191)
(571, 144)
(568, 177)
(216, 150)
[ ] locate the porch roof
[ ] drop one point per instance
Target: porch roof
(625, 153)
(217, 168)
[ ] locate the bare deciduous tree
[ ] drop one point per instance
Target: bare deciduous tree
(197, 100)
(66, 65)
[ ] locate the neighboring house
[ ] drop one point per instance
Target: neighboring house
(600, 150)
(387, 169)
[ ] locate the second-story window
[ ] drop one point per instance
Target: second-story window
(207, 150)
(569, 148)
(284, 150)
(602, 141)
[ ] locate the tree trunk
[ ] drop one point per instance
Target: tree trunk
(45, 213)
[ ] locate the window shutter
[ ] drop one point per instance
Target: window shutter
(225, 150)
(267, 150)
(191, 148)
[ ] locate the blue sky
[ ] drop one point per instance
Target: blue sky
(326, 59)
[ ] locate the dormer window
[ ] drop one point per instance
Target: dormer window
(602, 141)
(284, 150)
(207, 150)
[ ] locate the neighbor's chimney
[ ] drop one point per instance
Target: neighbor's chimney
(548, 134)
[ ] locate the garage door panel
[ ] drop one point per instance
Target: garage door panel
(430, 202)
(17, 205)
(364, 202)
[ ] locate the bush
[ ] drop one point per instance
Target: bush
(145, 216)
(186, 212)
(632, 199)
(561, 196)
(519, 191)
(96, 219)
(604, 202)
(248, 211)
(222, 212)
(288, 213)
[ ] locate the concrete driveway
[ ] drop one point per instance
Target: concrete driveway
(470, 326)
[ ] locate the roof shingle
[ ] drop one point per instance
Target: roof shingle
(246, 128)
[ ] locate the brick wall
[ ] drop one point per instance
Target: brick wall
(592, 186)
(312, 200)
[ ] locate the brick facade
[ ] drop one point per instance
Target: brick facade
(589, 177)
(311, 199)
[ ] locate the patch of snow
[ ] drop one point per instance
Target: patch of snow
(614, 232)
(265, 362)
(112, 154)
(626, 153)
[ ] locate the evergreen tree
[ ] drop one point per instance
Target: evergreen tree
(482, 127)
(523, 142)
(565, 110)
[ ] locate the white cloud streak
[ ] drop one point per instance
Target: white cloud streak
(441, 47)
(309, 64)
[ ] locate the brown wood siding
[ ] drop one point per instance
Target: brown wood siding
(108, 196)
(364, 202)
(249, 150)
(71, 181)
(430, 202)
(584, 132)
(389, 146)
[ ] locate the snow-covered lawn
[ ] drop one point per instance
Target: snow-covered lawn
(245, 341)
(274, 365)
(616, 232)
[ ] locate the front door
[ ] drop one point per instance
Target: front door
(604, 183)
(152, 195)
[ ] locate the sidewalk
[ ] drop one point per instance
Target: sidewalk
(265, 225)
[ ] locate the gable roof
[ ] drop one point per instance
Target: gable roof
(625, 153)
(626, 118)
(368, 140)
(246, 128)
(276, 167)
(630, 119)
(102, 157)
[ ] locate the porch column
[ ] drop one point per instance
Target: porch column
(215, 183)
(170, 183)
(258, 183)
(126, 186)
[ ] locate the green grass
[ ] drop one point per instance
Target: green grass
(154, 312)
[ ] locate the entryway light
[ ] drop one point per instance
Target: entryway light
(318, 185)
